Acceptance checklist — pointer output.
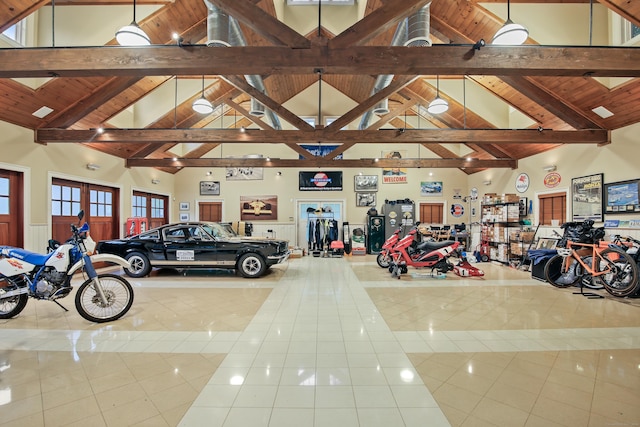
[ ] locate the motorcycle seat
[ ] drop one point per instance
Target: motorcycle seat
(431, 245)
(26, 256)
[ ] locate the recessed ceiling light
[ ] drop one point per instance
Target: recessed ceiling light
(42, 112)
(602, 112)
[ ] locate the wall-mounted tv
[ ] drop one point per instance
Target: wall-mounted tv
(622, 197)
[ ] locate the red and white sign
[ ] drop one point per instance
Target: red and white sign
(320, 179)
(552, 179)
(457, 210)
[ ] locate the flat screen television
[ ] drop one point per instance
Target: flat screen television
(622, 197)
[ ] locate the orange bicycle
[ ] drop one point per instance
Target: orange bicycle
(592, 265)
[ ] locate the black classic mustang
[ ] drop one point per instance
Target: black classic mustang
(196, 245)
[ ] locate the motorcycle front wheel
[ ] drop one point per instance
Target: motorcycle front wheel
(384, 259)
(117, 292)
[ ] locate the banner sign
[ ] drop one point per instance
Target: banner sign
(320, 181)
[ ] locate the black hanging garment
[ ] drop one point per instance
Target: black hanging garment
(318, 240)
(310, 235)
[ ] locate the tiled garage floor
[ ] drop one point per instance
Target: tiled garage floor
(328, 342)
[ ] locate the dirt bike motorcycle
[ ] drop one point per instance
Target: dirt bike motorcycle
(426, 254)
(24, 274)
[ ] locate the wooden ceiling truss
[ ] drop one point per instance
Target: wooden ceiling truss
(555, 86)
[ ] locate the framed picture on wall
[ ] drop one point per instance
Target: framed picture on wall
(622, 197)
(522, 206)
(184, 206)
(184, 217)
(586, 197)
(254, 208)
(365, 182)
(209, 188)
(366, 199)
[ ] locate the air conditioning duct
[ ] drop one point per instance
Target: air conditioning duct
(381, 107)
(257, 108)
(217, 26)
(412, 31)
(418, 28)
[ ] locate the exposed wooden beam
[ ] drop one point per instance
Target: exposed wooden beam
(262, 124)
(277, 108)
(92, 101)
(552, 102)
(628, 9)
(298, 149)
(398, 83)
(477, 136)
(107, 2)
(322, 162)
(11, 14)
(264, 24)
(377, 22)
(438, 59)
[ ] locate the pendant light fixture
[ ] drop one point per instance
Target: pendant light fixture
(202, 104)
(510, 33)
(132, 34)
(438, 105)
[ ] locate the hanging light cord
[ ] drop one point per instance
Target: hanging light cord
(53, 23)
(319, 18)
(464, 101)
(320, 97)
(590, 22)
(175, 104)
(134, 11)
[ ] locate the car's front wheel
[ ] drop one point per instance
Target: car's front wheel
(140, 265)
(251, 265)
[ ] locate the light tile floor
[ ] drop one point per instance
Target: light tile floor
(328, 342)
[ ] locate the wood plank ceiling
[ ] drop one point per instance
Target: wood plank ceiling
(556, 88)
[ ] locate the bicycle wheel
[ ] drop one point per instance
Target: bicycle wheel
(117, 291)
(622, 280)
(557, 275)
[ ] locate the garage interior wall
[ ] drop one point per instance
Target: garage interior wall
(618, 161)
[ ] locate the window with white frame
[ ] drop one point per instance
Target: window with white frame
(324, 2)
(139, 206)
(311, 120)
(100, 203)
(16, 34)
(331, 119)
(157, 208)
(65, 200)
(630, 33)
(4, 196)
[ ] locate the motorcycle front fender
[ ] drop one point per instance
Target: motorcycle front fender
(114, 259)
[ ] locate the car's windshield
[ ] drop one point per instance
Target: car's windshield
(219, 230)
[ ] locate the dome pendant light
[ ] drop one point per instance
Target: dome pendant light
(438, 105)
(202, 104)
(510, 33)
(132, 34)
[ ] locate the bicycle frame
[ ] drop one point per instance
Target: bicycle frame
(571, 253)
